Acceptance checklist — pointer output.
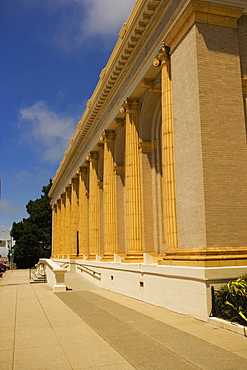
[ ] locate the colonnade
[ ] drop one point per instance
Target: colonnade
(83, 225)
(162, 172)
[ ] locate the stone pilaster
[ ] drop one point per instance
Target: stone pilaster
(210, 143)
(83, 214)
(109, 197)
(168, 165)
(133, 181)
(93, 205)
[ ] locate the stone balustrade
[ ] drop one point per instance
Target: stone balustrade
(55, 274)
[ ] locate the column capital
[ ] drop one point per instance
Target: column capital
(93, 155)
(150, 85)
(83, 169)
(100, 144)
(119, 122)
(147, 146)
(75, 179)
(119, 170)
(129, 105)
(109, 135)
(67, 189)
(163, 56)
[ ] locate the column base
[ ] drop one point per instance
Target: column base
(133, 257)
(94, 257)
(107, 257)
(81, 256)
(206, 257)
(72, 256)
(60, 256)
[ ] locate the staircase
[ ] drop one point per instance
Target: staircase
(37, 278)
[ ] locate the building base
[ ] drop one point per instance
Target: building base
(206, 257)
(183, 289)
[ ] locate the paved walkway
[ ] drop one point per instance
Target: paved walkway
(92, 328)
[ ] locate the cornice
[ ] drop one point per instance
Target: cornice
(129, 36)
(132, 37)
(219, 13)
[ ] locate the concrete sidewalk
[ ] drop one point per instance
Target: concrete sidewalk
(92, 328)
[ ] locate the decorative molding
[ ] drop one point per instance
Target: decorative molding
(201, 12)
(162, 57)
(129, 105)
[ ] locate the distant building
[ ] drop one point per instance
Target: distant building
(150, 198)
(5, 244)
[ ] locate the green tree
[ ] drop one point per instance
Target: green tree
(33, 234)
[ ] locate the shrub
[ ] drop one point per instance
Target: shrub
(231, 301)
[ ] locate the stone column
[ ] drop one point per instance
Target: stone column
(93, 205)
(54, 230)
(67, 221)
(133, 182)
(63, 216)
(109, 195)
(59, 231)
(168, 163)
(74, 217)
(83, 216)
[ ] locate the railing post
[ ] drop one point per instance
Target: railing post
(44, 273)
(213, 311)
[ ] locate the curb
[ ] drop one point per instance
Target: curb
(231, 326)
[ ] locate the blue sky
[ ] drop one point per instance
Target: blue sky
(52, 52)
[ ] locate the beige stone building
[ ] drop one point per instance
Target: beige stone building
(150, 198)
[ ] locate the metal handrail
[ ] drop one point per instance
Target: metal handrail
(95, 274)
(64, 265)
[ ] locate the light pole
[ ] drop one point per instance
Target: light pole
(10, 250)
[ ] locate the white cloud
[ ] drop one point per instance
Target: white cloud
(21, 176)
(7, 208)
(106, 16)
(77, 21)
(47, 130)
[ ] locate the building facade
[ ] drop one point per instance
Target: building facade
(150, 196)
